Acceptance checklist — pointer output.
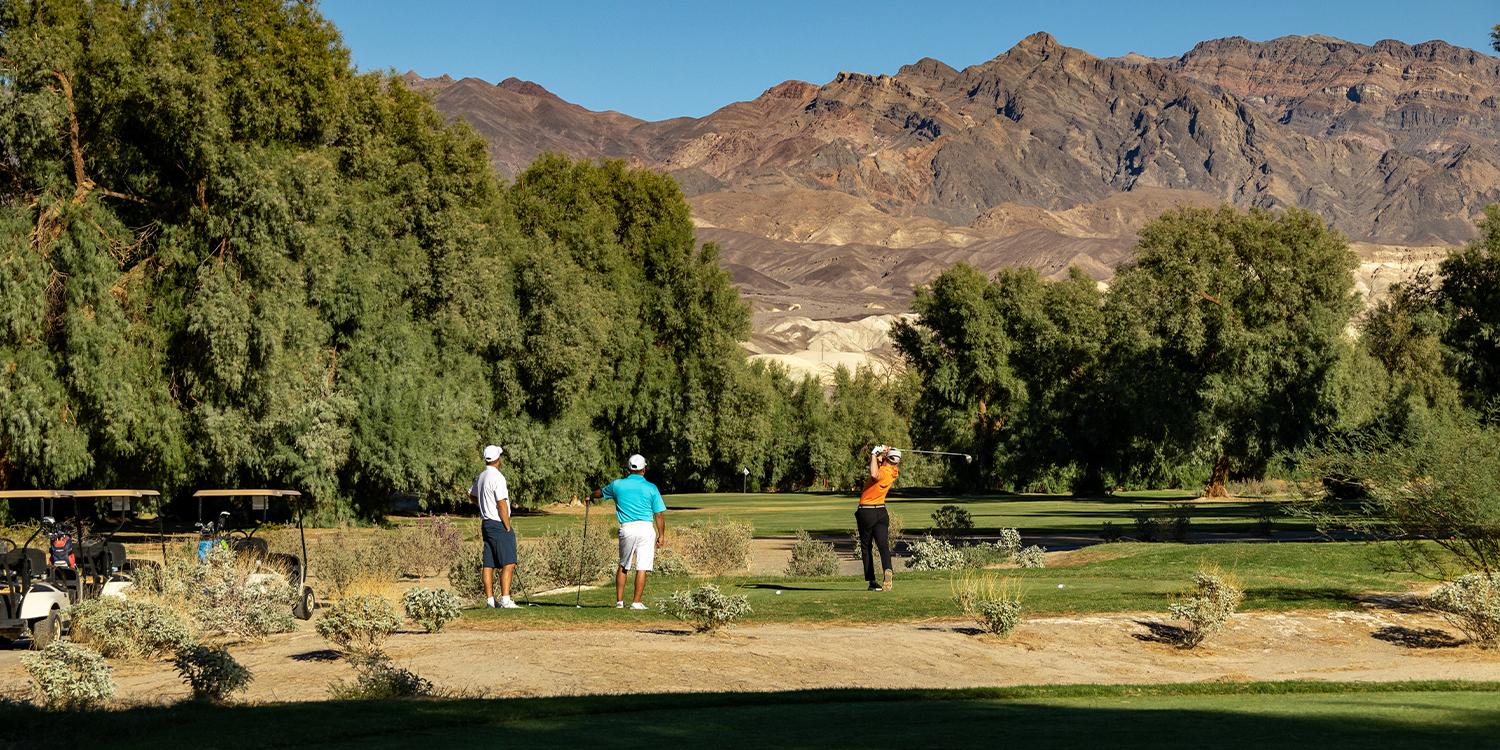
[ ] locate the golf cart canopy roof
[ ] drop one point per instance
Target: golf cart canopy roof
(31, 494)
(247, 493)
(108, 493)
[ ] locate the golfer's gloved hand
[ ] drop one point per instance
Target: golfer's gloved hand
(877, 450)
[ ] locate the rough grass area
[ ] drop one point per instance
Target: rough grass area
(1224, 715)
(1140, 578)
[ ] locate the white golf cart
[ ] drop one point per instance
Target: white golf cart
(103, 568)
(228, 528)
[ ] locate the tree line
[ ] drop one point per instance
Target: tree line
(229, 259)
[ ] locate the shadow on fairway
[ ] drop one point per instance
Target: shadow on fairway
(1160, 632)
(326, 654)
(779, 587)
(1326, 715)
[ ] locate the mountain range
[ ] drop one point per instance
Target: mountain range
(1045, 155)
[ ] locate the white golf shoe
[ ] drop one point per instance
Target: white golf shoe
(619, 605)
(638, 605)
(508, 603)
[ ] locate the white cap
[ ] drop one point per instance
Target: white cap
(636, 462)
(893, 455)
(492, 452)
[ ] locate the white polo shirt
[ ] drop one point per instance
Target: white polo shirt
(490, 490)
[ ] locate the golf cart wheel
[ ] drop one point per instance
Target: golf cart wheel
(46, 630)
(305, 605)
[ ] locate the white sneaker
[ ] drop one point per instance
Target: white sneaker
(638, 605)
(619, 605)
(490, 602)
(507, 603)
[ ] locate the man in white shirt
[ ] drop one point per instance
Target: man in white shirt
(495, 530)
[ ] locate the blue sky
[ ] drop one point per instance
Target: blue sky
(664, 59)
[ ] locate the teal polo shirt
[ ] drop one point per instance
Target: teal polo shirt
(635, 499)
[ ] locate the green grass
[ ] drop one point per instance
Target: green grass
(1125, 578)
(782, 514)
(1286, 714)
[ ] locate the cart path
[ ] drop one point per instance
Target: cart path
(487, 658)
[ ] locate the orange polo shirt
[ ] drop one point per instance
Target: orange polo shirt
(876, 489)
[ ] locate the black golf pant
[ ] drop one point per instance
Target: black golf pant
(874, 525)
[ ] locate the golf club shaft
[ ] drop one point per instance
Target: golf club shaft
(935, 453)
(582, 553)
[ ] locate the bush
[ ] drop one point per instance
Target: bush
(716, 547)
(1472, 604)
(896, 525)
(428, 546)
(1031, 557)
(359, 624)
(669, 563)
(234, 598)
(346, 558)
(983, 555)
(995, 604)
(212, 673)
(1208, 607)
(705, 608)
(1147, 527)
(1178, 522)
(128, 628)
(929, 553)
(376, 678)
(464, 573)
(69, 676)
(1010, 541)
(1109, 532)
(431, 608)
(951, 520)
(811, 557)
(553, 560)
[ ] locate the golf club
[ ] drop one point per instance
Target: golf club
(583, 550)
(968, 459)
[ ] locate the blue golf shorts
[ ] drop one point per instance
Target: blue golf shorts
(499, 544)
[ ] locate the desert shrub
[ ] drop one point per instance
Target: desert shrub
(930, 553)
(464, 573)
(428, 546)
(812, 557)
(431, 608)
(669, 563)
(1031, 557)
(212, 673)
(950, 520)
(714, 547)
(705, 607)
(1208, 607)
(1010, 541)
(896, 525)
(1109, 532)
(1178, 521)
(346, 558)
(553, 560)
(1471, 604)
(1147, 527)
(235, 598)
(128, 628)
(360, 623)
(69, 676)
(376, 678)
(993, 603)
(983, 555)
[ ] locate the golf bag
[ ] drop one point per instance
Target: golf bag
(60, 551)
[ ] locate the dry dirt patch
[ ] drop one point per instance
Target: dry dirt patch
(1375, 645)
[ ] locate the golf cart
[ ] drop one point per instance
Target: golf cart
(103, 569)
(33, 602)
(229, 529)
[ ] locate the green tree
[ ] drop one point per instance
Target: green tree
(1234, 325)
(1469, 299)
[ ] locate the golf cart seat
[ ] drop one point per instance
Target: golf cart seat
(36, 562)
(15, 568)
(117, 557)
(252, 549)
(288, 563)
(93, 559)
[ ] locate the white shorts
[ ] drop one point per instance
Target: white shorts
(638, 540)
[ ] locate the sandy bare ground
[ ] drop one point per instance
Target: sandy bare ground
(1373, 644)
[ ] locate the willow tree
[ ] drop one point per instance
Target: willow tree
(1235, 326)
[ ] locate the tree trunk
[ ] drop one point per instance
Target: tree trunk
(1218, 480)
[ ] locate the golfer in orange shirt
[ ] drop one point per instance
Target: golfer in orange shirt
(872, 519)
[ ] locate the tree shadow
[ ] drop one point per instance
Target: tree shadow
(960, 629)
(1416, 637)
(323, 655)
(679, 632)
(779, 587)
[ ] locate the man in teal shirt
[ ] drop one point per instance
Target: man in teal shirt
(643, 528)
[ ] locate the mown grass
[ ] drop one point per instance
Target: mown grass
(827, 514)
(1122, 578)
(1221, 715)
